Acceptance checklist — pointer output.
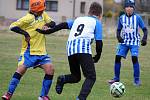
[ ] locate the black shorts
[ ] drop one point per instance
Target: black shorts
(86, 63)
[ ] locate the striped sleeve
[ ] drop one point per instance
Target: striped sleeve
(119, 23)
(141, 23)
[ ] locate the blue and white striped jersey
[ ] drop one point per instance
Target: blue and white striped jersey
(130, 28)
(83, 31)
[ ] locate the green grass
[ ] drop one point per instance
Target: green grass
(30, 85)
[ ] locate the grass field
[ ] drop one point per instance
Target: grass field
(30, 85)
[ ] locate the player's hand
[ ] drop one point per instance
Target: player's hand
(40, 31)
(120, 40)
(27, 38)
(96, 58)
(143, 42)
(45, 27)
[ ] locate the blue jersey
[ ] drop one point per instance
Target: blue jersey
(130, 28)
(83, 31)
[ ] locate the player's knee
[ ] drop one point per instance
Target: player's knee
(118, 59)
(49, 70)
(134, 59)
(77, 78)
(52, 69)
(91, 77)
(21, 69)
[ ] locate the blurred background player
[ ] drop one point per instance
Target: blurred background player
(83, 31)
(33, 51)
(129, 39)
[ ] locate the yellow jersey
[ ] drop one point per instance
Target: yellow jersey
(37, 42)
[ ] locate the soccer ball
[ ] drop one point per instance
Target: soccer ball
(117, 89)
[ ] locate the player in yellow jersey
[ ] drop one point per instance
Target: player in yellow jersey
(33, 51)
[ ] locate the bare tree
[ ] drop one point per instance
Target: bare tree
(143, 5)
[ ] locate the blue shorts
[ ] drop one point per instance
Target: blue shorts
(122, 50)
(33, 60)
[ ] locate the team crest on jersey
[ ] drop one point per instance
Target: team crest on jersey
(128, 28)
(37, 19)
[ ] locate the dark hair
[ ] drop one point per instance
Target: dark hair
(95, 9)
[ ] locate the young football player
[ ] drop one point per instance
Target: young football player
(129, 39)
(83, 31)
(33, 51)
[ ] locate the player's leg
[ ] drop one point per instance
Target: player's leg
(14, 82)
(74, 65)
(117, 67)
(74, 77)
(89, 73)
(122, 51)
(48, 78)
(23, 64)
(136, 66)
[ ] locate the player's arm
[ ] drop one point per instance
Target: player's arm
(63, 25)
(118, 33)
(144, 39)
(50, 24)
(99, 46)
(20, 31)
(145, 31)
(99, 42)
(17, 27)
(58, 27)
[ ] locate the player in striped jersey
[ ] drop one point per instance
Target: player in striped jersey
(129, 39)
(83, 31)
